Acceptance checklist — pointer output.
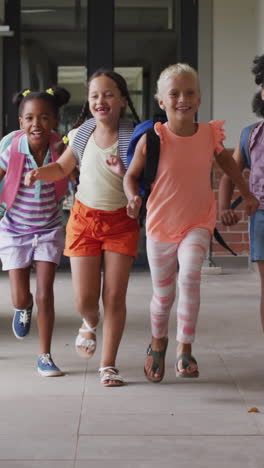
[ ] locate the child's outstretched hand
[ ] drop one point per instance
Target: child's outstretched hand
(116, 164)
(31, 177)
(229, 217)
(133, 206)
(251, 204)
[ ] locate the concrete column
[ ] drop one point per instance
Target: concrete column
(100, 34)
(11, 65)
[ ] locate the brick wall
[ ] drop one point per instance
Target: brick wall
(236, 236)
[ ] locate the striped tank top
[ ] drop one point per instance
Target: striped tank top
(36, 208)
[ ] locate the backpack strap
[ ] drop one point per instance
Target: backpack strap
(84, 132)
(218, 237)
(152, 158)
(138, 131)
(126, 128)
(13, 173)
(151, 166)
(7, 140)
(15, 170)
(82, 136)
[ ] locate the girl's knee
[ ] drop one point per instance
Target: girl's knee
(87, 304)
(114, 300)
(189, 276)
(162, 303)
(44, 298)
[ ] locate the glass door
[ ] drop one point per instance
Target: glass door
(53, 49)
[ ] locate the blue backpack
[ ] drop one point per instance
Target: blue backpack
(150, 170)
(153, 149)
(139, 130)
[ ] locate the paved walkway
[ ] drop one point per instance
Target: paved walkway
(73, 422)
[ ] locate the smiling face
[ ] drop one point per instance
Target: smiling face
(105, 99)
(37, 119)
(179, 96)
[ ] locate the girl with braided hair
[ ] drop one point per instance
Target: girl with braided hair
(249, 154)
(99, 230)
(31, 227)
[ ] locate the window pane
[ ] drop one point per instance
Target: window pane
(73, 79)
(53, 38)
(146, 37)
(57, 14)
(145, 15)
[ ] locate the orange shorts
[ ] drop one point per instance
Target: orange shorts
(90, 231)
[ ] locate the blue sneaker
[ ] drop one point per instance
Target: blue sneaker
(46, 366)
(21, 322)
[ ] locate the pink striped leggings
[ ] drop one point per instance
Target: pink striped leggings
(162, 257)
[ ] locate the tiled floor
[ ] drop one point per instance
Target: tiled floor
(73, 422)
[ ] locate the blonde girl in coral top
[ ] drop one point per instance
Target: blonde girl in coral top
(181, 213)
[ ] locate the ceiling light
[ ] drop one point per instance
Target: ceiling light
(44, 10)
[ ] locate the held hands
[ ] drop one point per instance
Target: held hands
(133, 206)
(31, 177)
(229, 217)
(116, 165)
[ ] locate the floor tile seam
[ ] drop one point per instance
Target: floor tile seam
(243, 399)
(63, 460)
(85, 377)
(166, 435)
(167, 412)
(37, 434)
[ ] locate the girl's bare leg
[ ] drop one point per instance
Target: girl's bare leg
(22, 300)
(45, 272)
(116, 274)
(20, 287)
(86, 278)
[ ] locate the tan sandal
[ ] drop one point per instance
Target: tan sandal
(81, 342)
(114, 376)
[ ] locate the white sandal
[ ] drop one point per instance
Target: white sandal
(113, 375)
(81, 342)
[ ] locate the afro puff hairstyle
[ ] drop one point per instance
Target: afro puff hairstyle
(258, 71)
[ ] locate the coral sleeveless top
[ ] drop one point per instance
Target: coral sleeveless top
(181, 198)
